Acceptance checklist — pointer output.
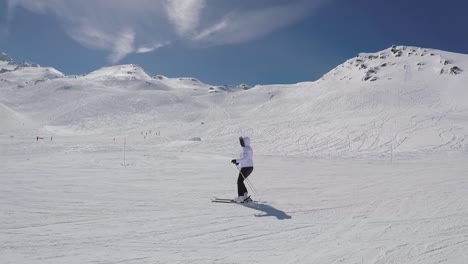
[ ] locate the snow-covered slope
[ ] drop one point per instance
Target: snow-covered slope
(415, 102)
(402, 99)
(12, 121)
(119, 167)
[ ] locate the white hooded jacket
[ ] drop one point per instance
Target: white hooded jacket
(246, 155)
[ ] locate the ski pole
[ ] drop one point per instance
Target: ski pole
(248, 182)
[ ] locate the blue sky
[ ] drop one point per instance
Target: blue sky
(224, 41)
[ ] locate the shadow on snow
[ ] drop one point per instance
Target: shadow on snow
(267, 210)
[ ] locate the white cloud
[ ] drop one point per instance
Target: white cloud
(146, 49)
(208, 32)
(123, 27)
(90, 36)
(184, 14)
(35, 6)
(248, 24)
(123, 46)
(119, 26)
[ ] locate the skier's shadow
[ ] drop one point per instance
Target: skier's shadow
(267, 210)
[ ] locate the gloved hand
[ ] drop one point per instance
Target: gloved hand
(234, 161)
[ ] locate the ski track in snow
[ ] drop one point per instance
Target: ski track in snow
(83, 206)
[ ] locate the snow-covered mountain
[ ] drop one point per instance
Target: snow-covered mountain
(393, 63)
(4, 58)
(119, 167)
(402, 99)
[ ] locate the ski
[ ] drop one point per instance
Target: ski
(222, 200)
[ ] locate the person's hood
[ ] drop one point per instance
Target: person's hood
(246, 141)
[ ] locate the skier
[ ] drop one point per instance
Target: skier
(245, 166)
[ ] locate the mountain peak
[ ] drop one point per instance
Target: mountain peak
(124, 71)
(8, 64)
(394, 62)
(5, 58)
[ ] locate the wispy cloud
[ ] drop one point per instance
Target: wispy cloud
(146, 49)
(184, 14)
(248, 24)
(123, 27)
(213, 30)
(123, 46)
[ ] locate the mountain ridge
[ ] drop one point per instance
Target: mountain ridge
(416, 103)
(372, 66)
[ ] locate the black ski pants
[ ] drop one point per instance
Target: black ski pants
(243, 174)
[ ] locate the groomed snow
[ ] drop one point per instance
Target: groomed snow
(72, 201)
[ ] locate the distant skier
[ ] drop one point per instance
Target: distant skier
(245, 166)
